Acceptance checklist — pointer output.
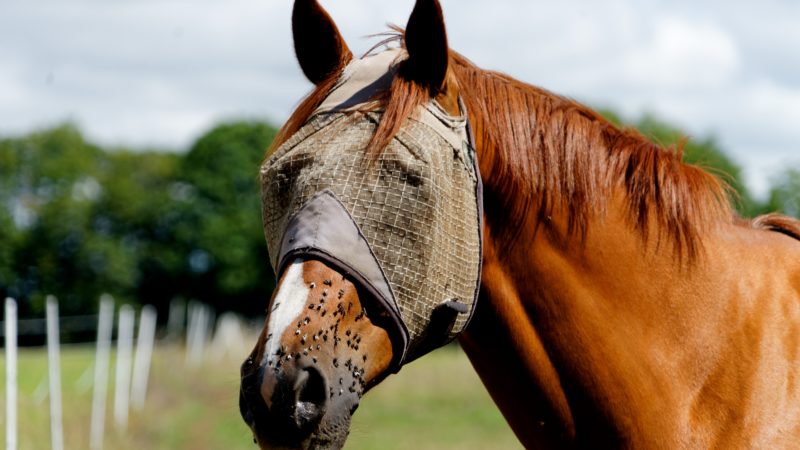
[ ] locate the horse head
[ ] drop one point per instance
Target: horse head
(360, 193)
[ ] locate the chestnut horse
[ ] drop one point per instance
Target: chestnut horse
(623, 304)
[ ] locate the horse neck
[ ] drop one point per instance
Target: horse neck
(540, 319)
(630, 326)
(564, 322)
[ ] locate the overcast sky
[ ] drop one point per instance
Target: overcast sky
(160, 72)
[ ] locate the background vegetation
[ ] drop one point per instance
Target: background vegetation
(77, 220)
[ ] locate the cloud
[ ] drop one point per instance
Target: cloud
(682, 54)
(159, 72)
(146, 72)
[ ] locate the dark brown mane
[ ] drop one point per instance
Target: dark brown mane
(542, 153)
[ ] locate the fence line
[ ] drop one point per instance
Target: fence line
(68, 324)
(132, 371)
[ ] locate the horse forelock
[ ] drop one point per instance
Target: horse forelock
(399, 103)
(541, 152)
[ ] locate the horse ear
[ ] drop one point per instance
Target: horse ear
(319, 46)
(426, 43)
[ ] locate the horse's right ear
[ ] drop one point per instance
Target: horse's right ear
(319, 46)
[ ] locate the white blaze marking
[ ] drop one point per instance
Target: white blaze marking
(288, 305)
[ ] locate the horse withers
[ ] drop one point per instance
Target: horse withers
(622, 302)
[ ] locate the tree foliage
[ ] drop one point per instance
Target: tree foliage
(228, 257)
(77, 221)
(785, 193)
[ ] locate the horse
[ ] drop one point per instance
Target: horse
(622, 304)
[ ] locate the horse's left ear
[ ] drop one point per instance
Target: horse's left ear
(426, 43)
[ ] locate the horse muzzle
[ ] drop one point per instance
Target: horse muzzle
(290, 408)
(317, 355)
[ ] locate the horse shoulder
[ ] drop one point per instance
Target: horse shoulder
(756, 370)
(781, 246)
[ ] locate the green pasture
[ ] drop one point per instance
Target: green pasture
(435, 403)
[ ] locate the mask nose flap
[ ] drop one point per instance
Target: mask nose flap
(323, 229)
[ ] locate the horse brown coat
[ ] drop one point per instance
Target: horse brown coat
(623, 303)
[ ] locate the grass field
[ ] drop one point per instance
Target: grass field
(435, 403)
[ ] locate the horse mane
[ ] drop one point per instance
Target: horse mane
(548, 153)
(779, 224)
(542, 153)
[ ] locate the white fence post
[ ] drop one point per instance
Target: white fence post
(11, 374)
(191, 327)
(123, 374)
(105, 326)
(144, 354)
(228, 338)
(54, 374)
(198, 334)
(176, 322)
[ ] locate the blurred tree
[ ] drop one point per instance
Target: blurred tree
(8, 238)
(49, 184)
(785, 194)
(140, 215)
(77, 221)
(228, 259)
(8, 229)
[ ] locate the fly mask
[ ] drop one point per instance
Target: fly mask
(406, 227)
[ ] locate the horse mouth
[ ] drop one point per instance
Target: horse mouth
(319, 439)
(281, 430)
(325, 443)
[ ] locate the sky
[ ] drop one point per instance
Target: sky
(159, 73)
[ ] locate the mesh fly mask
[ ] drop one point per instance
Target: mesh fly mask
(406, 227)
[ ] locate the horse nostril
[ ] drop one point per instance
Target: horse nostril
(294, 403)
(311, 397)
(313, 390)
